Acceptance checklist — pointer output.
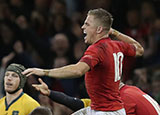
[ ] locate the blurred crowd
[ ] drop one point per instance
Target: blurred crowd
(47, 34)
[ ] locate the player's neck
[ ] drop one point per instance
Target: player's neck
(99, 37)
(11, 97)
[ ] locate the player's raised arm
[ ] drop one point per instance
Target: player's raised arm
(128, 39)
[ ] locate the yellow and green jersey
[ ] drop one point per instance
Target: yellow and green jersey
(22, 105)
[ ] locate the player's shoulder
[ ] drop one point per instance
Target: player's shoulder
(29, 103)
(129, 90)
(26, 96)
(91, 49)
(29, 99)
(2, 99)
(97, 46)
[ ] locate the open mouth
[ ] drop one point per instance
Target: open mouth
(9, 84)
(84, 35)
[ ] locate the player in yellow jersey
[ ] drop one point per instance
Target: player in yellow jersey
(16, 102)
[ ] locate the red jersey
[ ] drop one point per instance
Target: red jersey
(136, 102)
(102, 81)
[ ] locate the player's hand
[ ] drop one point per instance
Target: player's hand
(33, 71)
(113, 32)
(42, 87)
(110, 31)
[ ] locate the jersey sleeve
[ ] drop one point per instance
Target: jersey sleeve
(128, 49)
(91, 57)
(71, 102)
(86, 102)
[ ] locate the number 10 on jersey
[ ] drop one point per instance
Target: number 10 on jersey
(118, 58)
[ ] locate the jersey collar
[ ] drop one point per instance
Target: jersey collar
(108, 38)
(7, 106)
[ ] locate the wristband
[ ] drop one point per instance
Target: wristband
(46, 72)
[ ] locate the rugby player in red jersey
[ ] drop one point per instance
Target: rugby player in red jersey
(101, 63)
(136, 102)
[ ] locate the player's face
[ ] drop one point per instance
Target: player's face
(89, 28)
(11, 81)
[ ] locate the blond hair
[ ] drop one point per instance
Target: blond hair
(103, 17)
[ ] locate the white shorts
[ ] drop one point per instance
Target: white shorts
(89, 111)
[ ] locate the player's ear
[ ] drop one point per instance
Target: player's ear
(99, 29)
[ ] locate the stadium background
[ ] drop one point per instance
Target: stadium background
(47, 34)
